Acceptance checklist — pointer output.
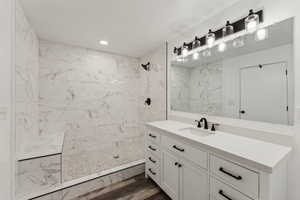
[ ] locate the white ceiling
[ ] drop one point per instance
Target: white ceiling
(132, 27)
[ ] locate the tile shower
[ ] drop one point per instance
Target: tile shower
(94, 100)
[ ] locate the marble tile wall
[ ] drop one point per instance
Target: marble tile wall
(206, 89)
(37, 174)
(180, 88)
(93, 188)
(198, 89)
(96, 99)
(27, 70)
(92, 97)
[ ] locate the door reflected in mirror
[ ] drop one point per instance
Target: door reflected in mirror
(253, 81)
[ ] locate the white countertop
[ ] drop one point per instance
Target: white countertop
(41, 146)
(261, 155)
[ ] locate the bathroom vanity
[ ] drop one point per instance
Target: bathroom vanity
(191, 163)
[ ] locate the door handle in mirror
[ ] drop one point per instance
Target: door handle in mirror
(242, 111)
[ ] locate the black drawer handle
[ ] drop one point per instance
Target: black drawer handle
(224, 195)
(153, 136)
(152, 172)
(150, 147)
(229, 174)
(152, 160)
(177, 148)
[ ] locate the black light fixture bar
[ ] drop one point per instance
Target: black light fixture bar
(237, 27)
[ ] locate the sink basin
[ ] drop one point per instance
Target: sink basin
(195, 131)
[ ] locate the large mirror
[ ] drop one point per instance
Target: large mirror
(250, 77)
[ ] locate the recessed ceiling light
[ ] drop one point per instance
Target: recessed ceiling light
(103, 42)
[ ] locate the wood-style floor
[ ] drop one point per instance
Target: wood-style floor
(136, 188)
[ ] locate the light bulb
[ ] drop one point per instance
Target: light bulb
(222, 47)
(196, 56)
(185, 51)
(103, 42)
(261, 34)
(210, 38)
(251, 22)
(228, 29)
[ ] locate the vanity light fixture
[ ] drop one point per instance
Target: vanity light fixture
(251, 22)
(261, 34)
(196, 42)
(196, 56)
(185, 50)
(228, 29)
(222, 47)
(210, 38)
(176, 50)
(104, 43)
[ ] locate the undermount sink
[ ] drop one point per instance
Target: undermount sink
(195, 131)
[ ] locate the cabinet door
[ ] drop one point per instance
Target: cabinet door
(193, 182)
(170, 175)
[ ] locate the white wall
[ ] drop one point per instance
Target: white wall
(6, 107)
(275, 11)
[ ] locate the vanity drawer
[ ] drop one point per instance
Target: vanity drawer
(153, 148)
(222, 191)
(152, 159)
(245, 180)
(191, 153)
(153, 136)
(153, 170)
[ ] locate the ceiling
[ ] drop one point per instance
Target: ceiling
(278, 34)
(132, 27)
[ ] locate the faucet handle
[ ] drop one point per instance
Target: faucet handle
(199, 123)
(213, 126)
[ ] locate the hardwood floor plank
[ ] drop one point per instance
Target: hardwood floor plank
(136, 188)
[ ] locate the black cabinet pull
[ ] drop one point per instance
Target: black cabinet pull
(179, 165)
(152, 172)
(224, 195)
(152, 160)
(177, 148)
(176, 164)
(221, 169)
(150, 147)
(153, 136)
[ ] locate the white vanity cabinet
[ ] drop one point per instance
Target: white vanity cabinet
(183, 169)
(188, 171)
